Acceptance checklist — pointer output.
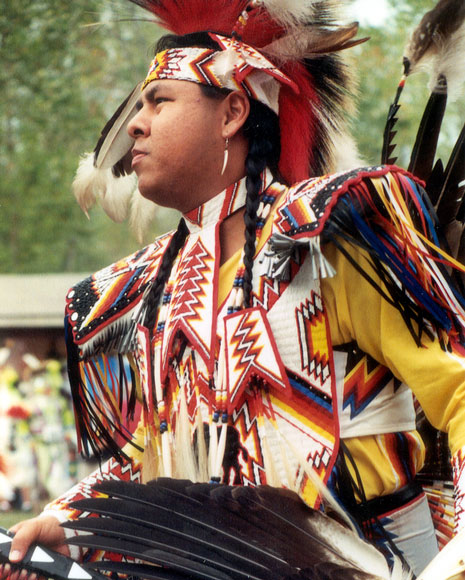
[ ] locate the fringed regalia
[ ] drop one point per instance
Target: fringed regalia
(266, 394)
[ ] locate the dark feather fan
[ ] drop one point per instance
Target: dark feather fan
(177, 529)
(435, 45)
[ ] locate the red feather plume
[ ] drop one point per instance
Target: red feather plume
(219, 16)
(196, 15)
(298, 125)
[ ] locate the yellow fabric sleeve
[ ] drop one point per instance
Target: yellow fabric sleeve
(357, 312)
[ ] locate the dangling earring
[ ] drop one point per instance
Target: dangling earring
(226, 156)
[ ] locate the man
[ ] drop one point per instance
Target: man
(279, 354)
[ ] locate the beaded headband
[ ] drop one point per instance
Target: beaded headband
(237, 66)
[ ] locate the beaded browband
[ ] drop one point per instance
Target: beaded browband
(237, 66)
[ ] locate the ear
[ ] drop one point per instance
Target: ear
(236, 110)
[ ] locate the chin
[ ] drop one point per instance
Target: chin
(158, 195)
(153, 193)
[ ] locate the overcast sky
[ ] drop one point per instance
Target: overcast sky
(370, 11)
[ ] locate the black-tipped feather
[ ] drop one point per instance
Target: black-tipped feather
(434, 182)
(451, 193)
(240, 532)
(424, 150)
(389, 134)
(114, 143)
(434, 29)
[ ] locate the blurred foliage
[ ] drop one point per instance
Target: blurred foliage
(65, 68)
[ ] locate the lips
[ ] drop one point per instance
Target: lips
(137, 155)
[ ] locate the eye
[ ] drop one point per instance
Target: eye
(159, 100)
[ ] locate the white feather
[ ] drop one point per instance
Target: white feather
(293, 12)
(346, 154)
(359, 552)
(449, 63)
(86, 182)
(289, 12)
(116, 198)
(142, 214)
(114, 193)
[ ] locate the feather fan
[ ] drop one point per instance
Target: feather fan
(177, 529)
(437, 43)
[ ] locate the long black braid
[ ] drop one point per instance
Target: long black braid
(153, 299)
(262, 131)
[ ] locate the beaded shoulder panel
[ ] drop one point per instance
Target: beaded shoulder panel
(105, 301)
(309, 204)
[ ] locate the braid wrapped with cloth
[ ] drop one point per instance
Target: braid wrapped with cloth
(253, 369)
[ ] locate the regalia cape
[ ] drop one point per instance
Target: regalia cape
(369, 208)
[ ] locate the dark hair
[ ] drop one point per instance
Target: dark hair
(261, 129)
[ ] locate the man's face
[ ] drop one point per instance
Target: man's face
(178, 150)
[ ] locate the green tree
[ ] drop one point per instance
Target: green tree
(66, 66)
(60, 67)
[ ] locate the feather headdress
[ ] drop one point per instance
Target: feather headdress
(301, 37)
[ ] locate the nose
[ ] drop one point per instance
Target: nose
(138, 125)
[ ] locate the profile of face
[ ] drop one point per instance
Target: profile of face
(179, 138)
